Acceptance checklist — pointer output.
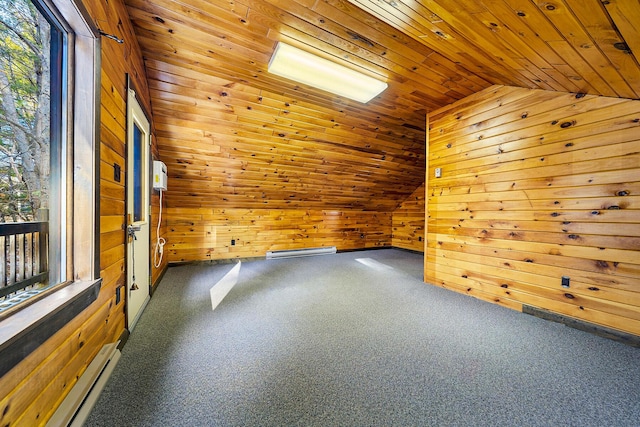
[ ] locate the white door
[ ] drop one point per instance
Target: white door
(138, 140)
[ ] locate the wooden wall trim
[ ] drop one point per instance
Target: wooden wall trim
(612, 334)
(426, 190)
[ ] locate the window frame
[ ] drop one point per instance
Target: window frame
(58, 147)
(83, 111)
(26, 328)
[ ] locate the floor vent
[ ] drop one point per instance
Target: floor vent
(76, 407)
(301, 252)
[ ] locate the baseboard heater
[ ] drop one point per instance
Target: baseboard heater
(76, 407)
(301, 252)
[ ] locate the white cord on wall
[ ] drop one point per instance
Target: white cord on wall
(160, 241)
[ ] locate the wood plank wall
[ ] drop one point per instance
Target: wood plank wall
(30, 393)
(231, 145)
(537, 185)
(408, 222)
(196, 234)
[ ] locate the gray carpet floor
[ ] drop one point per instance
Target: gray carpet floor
(357, 339)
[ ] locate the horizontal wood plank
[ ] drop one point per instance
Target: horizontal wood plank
(560, 199)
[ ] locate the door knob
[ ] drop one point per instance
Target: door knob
(131, 230)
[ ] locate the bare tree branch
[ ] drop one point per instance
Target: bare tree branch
(20, 137)
(25, 81)
(34, 48)
(13, 123)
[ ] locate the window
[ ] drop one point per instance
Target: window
(49, 88)
(32, 88)
(138, 179)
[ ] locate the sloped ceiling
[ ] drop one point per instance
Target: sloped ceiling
(235, 136)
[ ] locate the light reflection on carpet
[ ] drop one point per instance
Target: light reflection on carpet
(372, 263)
(224, 285)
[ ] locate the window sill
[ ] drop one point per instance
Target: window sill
(24, 331)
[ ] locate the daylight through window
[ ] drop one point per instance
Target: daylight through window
(32, 151)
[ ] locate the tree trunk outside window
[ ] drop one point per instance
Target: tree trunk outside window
(24, 111)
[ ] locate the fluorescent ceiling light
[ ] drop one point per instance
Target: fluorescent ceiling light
(304, 67)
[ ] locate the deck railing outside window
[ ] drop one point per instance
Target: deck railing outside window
(24, 249)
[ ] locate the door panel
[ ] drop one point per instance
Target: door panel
(138, 139)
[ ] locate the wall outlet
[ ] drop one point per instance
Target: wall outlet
(438, 172)
(233, 242)
(565, 281)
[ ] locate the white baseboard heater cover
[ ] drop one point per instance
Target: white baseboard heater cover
(76, 407)
(301, 252)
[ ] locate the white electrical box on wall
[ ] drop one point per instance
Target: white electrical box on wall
(159, 175)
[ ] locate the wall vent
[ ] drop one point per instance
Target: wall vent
(76, 407)
(301, 252)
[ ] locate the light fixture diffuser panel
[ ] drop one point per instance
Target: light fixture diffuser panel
(304, 67)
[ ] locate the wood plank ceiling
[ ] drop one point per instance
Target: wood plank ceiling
(235, 136)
